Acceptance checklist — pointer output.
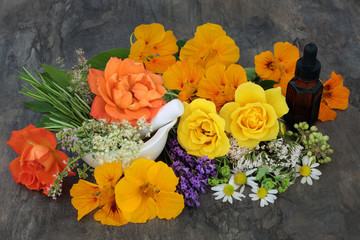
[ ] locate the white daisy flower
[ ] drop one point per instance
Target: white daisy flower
(307, 170)
(264, 195)
(228, 191)
(242, 178)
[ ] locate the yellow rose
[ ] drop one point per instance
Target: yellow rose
(201, 131)
(252, 118)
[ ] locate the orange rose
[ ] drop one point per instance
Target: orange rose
(39, 161)
(125, 91)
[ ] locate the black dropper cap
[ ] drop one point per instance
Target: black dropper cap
(308, 67)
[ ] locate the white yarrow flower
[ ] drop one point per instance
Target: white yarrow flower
(264, 195)
(228, 191)
(308, 171)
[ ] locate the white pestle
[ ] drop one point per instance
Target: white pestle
(166, 114)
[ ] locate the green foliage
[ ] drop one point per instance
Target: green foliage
(66, 109)
(222, 172)
(261, 172)
(251, 75)
(39, 106)
(100, 60)
(170, 95)
(83, 171)
(180, 44)
(267, 84)
(58, 76)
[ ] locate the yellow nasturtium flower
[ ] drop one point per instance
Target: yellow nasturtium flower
(209, 46)
(154, 47)
(184, 76)
(252, 118)
(148, 190)
(220, 83)
(201, 131)
(88, 196)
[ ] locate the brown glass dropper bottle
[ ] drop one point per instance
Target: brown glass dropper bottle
(304, 91)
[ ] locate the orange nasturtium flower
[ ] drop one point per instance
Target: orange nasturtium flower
(334, 96)
(125, 91)
(209, 46)
(279, 67)
(154, 47)
(89, 196)
(148, 190)
(184, 76)
(220, 83)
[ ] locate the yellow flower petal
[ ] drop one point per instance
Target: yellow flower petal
(146, 210)
(209, 32)
(84, 188)
(136, 172)
(234, 75)
(108, 216)
(277, 100)
(286, 52)
(108, 173)
(84, 205)
(127, 194)
(150, 34)
(169, 204)
(249, 92)
(267, 67)
(167, 45)
(226, 112)
(159, 64)
(162, 177)
(226, 51)
(201, 130)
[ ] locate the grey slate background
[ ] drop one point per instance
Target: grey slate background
(40, 31)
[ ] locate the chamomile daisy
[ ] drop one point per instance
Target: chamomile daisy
(228, 191)
(264, 195)
(242, 178)
(308, 171)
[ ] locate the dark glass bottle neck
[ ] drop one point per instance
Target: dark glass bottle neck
(305, 84)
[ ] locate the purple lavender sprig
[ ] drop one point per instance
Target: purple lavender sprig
(193, 172)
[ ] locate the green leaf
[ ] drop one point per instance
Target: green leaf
(39, 106)
(261, 172)
(267, 84)
(180, 44)
(57, 75)
(100, 60)
(44, 122)
(251, 75)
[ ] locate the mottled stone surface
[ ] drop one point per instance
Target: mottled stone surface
(33, 31)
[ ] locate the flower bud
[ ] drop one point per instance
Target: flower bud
(313, 129)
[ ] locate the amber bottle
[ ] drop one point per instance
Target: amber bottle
(303, 95)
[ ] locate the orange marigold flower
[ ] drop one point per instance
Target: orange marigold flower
(88, 196)
(209, 46)
(125, 91)
(334, 96)
(148, 190)
(184, 76)
(220, 83)
(279, 67)
(154, 47)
